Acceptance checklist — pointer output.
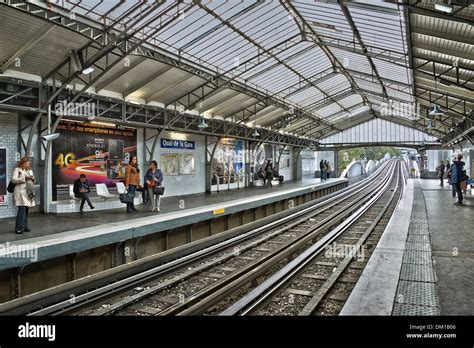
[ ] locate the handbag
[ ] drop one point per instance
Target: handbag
(159, 190)
(11, 187)
(30, 190)
(126, 198)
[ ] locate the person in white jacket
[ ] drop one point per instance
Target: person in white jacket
(23, 194)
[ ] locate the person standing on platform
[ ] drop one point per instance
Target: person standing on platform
(328, 170)
(82, 190)
(269, 173)
(448, 170)
(261, 174)
(321, 170)
(457, 177)
(23, 194)
(154, 178)
(440, 172)
(132, 181)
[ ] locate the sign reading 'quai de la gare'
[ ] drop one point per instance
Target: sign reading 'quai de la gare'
(177, 144)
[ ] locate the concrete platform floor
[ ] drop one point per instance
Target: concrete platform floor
(452, 243)
(42, 225)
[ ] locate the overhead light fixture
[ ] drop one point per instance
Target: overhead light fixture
(50, 136)
(202, 123)
(436, 111)
(76, 61)
(104, 123)
(430, 125)
(255, 132)
(444, 8)
(87, 71)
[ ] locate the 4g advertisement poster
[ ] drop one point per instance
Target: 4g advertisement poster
(99, 151)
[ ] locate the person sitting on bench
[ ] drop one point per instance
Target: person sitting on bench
(262, 175)
(81, 190)
(277, 175)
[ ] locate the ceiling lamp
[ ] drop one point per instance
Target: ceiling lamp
(87, 71)
(436, 111)
(430, 124)
(444, 8)
(202, 123)
(255, 132)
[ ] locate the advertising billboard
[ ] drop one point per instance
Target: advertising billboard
(228, 159)
(99, 151)
(3, 176)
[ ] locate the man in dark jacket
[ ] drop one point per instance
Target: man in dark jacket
(440, 171)
(457, 177)
(269, 172)
(81, 190)
(448, 170)
(321, 170)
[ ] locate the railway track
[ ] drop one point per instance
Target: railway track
(318, 282)
(202, 282)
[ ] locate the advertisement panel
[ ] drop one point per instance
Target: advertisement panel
(3, 176)
(186, 164)
(228, 159)
(263, 153)
(99, 151)
(170, 163)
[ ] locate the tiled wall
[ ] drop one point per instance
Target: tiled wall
(288, 171)
(8, 140)
(184, 184)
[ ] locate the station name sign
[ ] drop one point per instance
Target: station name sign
(177, 144)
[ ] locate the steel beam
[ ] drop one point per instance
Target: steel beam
(356, 33)
(101, 85)
(134, 88)
(310, 34)
(27, 46)
(260, 47)
(436, 14)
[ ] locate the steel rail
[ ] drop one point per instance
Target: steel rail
(317, 208)
(121, 284)
(277, 280)
(207, 297)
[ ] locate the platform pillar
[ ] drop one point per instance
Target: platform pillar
(336, 163)
(297, 164)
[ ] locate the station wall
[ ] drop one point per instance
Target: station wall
(434, 156)
(308, 162)
(8, 140)
(177, 185)
(286, 164)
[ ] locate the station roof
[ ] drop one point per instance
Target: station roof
(311, 69)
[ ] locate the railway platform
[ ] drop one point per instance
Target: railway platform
(97, 241)
(423, 263)
(43, 226)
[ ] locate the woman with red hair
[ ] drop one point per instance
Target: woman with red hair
(23, 194)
